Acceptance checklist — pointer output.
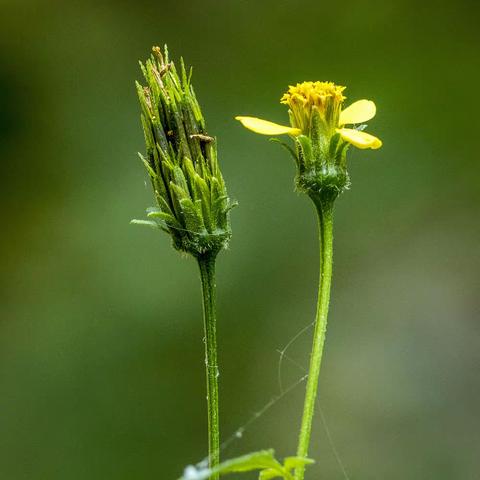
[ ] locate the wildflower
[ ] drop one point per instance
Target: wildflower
(326, 98)
(318, 125)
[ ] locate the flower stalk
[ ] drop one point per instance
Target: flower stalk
(318, 128)
(206, 265)
(192, 201)
(325, 232)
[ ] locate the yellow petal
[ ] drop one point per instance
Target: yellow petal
(264, 127)
(359, 139)
(358, 112)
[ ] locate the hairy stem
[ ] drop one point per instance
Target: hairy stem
(206, 263)
(325, 228)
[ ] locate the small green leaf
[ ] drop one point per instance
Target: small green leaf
(269, 473)
(263, 459)
(293, 462)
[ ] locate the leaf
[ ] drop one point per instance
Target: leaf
(294, 462)
(269, 473)
(261, 460)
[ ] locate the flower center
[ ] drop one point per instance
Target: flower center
(305, 98)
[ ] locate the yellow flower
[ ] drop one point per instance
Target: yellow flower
(325, 100)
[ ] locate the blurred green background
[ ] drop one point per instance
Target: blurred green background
(101, 354)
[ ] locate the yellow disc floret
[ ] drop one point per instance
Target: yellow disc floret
(314, 93)
(305, 98)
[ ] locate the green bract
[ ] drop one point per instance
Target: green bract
(181, 160)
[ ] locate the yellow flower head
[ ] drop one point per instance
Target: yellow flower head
(322, 101)
(305, 98)
(318, 127)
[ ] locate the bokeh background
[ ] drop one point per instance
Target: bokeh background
(101, 354)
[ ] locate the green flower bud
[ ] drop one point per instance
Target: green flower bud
(181, 160)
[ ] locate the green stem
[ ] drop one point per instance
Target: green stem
(325, 227)
(206, 263)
